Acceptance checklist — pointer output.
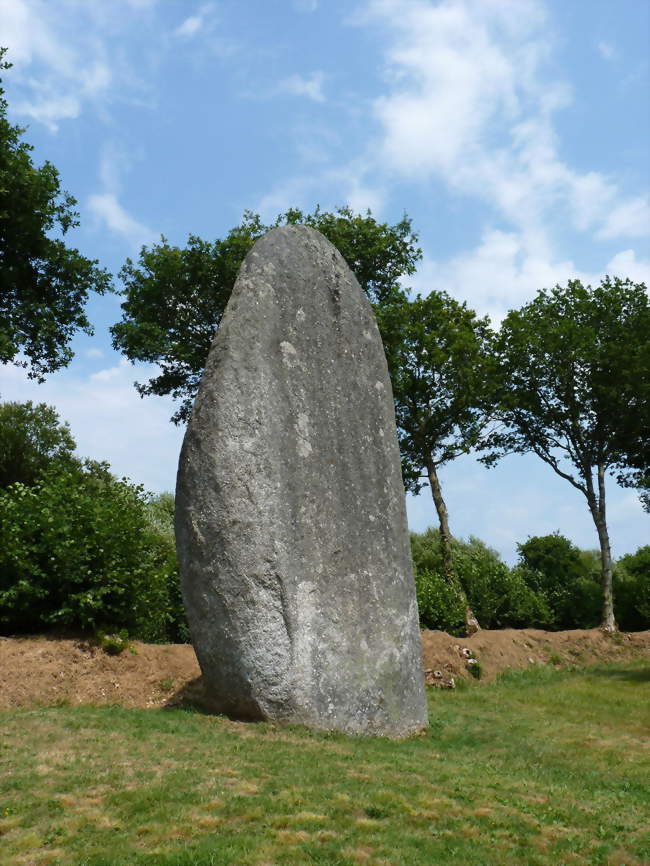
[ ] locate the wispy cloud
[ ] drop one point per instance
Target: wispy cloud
(106, 207)
(606, 50)
(305, 5)
(194, 23)
(108, 418)
(310, 86)
(67, 56)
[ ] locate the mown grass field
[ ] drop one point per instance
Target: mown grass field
(542, 767)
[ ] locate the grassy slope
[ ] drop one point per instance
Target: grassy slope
(542, 767)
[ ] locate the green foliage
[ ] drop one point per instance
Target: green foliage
(44, 285)
(32, 438)
(440, 604)
(574, 388)
(565, 577)
(575, 378)
(174, 298)
(77, 551)
(113, 644)
(160, 516)
(498, 595)
(632, 590)
(440, 358)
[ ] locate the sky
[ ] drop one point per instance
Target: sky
(514, 134)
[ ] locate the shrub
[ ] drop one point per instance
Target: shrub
(32, 439)
(565, 577)
(439, 604)
(77, 551)
(632, 590)
(160, 514)
(498, 595)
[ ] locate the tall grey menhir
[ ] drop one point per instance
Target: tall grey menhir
(290, 515)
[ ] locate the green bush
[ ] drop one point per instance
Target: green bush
(160, 514)
(77, 550)
(565, 577)
(439, 604)
(632, 590)
(497, 595)
(33, 438)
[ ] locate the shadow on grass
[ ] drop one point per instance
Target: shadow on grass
(632, 675)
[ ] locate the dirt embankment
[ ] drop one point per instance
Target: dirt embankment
(45, 670)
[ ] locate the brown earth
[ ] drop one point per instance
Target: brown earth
(46, 670)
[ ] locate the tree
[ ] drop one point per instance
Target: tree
(77, 551)
(174, 298)
(32, 439)
(632, 581)
(439, 354)
(563, 575)
(574, 373)
(44, 285)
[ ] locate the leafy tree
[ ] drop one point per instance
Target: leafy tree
(440, 357)
(174, 298)
(564, 576)
(499, 595)
(78, 547)
(44, 285)
(160, 515)
(574, 371)
(632, 582)
(32, 438)
(77, 551)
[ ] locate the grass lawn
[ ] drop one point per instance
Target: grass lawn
(542, 767)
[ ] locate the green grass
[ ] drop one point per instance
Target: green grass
(542, 767)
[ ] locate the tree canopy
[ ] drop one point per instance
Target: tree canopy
(32, 439)
(174, 297)
(44, 285)
(439, 354)
(574, 375)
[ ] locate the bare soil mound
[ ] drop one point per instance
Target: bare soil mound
(47, 670)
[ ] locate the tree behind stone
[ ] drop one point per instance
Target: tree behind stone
(174, 297)
(440, 359)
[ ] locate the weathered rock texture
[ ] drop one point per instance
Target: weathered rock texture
(290, 516)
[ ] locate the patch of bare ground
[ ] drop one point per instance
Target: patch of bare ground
(46, 670)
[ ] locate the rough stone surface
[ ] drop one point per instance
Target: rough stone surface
(290, 515)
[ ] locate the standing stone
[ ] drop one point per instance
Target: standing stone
(290, 515)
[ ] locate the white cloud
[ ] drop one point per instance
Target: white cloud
(630, 218)
(606, 50)
(626, 265)
(505, 270)
(112, 214)
(108, 418)
(310, 86)
(94, 353)
(471, 100)
(65, 55)
(305, 5)
(190, 26)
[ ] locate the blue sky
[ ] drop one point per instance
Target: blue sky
(514, 133)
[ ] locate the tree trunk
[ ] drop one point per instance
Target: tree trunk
(609, 623)
(598, 512)
(471, 623)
